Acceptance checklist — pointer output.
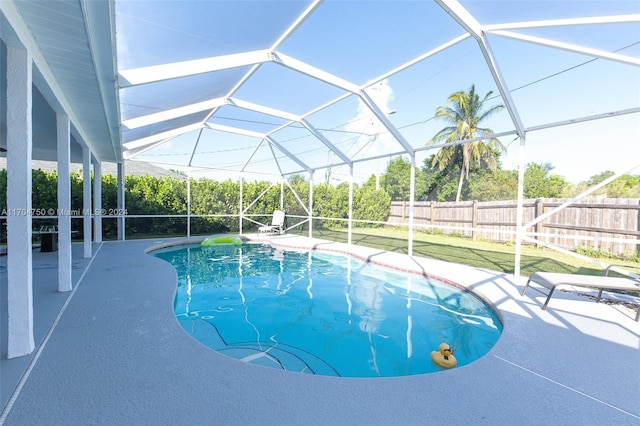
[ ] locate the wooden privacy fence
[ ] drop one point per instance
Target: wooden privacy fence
(587, 223)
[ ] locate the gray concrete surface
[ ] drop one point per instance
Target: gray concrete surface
(118, 356)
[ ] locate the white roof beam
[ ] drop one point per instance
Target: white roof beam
(326, 141)
(234, 130)
(314, 72)
(161, 136)
(253, 153)
(195, 147)
(464, 141)
(386, 122)
(615, 19)
(473, 27)
(264, 109)
(155, 73)
(635, 110)
(502, 86)
(570, 47)
(387, 74)
(327, 105)
(419, 59)
(157, 117)
(288, 153)
(243, 80)
(313, 111)
(127, 155)
(275, 159)
(277, 129)
(297, 23)
(384, 76)
(462, 16)
(105, 66)
(237, 87)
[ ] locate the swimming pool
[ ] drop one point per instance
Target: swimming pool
(320, 313)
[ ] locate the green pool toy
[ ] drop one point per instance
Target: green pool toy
(217, 240)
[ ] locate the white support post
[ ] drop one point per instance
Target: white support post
(311, 204)
(97, 201)
(19, 221)
(188, 203)
(86, 200)
(412, 196)
(350, 223)
(520, 207)
(121, 202)
(64, 203)
(282, 195)
(241, 215)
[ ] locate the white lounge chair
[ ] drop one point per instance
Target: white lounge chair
(551, 281)
(276, 226)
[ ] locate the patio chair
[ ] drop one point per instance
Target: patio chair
(276, 226)
(551, 281)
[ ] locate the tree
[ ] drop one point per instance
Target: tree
(396, 181)
(625, 186)
(301, 187)
(370, 203)
(540, 183)
(440, 185)
(464, 113)
(493, 186)
(332, 201)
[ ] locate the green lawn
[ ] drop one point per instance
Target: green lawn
(482, 254)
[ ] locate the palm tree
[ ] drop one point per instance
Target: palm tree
(464, 113)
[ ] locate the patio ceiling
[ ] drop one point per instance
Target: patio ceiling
(71, 45)
(283, 87)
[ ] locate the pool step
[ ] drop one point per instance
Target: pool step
(280, 355)
(267, 354)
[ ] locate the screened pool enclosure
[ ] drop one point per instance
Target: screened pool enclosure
(328, 90)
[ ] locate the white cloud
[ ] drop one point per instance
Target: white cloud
(374, 138)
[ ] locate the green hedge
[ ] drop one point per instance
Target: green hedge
(147, 195)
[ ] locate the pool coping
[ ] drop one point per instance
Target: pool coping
(362, 254)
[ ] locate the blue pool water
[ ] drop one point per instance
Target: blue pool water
(321, 313)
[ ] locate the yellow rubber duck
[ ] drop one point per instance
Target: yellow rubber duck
(444, 358)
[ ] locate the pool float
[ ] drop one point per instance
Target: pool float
(224, 240)
(444, 357)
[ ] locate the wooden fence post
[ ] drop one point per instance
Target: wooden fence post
(638, 230)
(538, 210)
(433, 213)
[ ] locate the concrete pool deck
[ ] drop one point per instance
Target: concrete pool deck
(117, 355)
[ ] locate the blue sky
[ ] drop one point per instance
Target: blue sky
(359, 41)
